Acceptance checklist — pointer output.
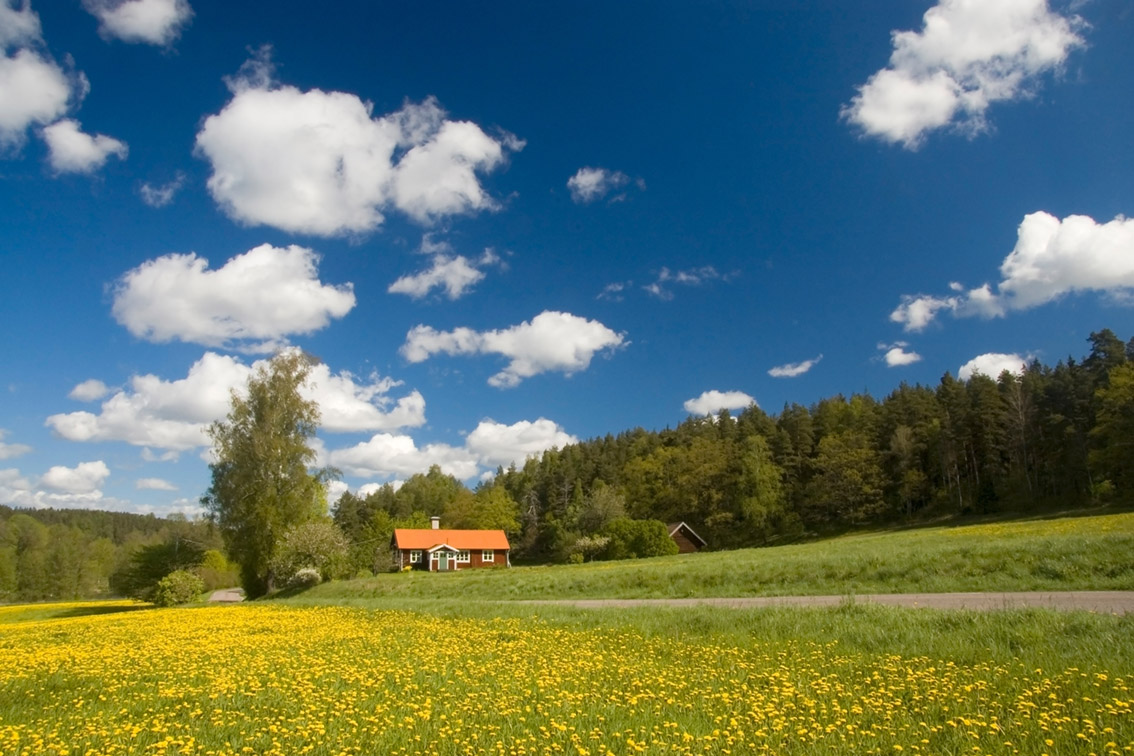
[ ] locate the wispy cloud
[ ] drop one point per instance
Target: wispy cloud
(794, 369)
(161, 194)
(662, 286)
(592, 184)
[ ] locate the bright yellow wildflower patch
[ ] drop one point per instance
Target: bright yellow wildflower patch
(282, 680)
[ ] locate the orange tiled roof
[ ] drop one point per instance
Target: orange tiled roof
(405, 538)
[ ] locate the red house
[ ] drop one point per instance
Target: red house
(439, 550)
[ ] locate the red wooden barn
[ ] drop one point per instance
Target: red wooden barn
(440, 550)
(687, 541)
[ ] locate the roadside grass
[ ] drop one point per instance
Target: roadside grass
(1070, 553)
(288, 677)
(15, 613)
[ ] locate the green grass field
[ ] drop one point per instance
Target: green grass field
(1070, 553)
(409, 665)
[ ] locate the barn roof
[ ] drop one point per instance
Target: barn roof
(673, 527)
(406, 538)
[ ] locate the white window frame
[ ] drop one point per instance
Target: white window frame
(487, 555)
(415, 556)
(463, 557)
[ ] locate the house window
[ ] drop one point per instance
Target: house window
(488, 555)
(463, 556)
(415, 556)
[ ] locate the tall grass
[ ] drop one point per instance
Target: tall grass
(1080, 553)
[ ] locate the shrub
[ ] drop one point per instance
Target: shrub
(318, 545)
(633, 539)
(305, 578)
(178, 587)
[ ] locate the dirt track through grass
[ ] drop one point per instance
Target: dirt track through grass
(1104, 602)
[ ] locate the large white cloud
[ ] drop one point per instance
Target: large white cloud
(968, 55)
(794, 369)
(9, 451)
(18, 26)
(60, 487)
(992, 365)
(1052, 258)
(454, 275)
(156, 413)
(712, 402)
(74, 151)
(386, 455)
(252, 303)
(155, 22)
(552, 341)
(320, 163)
(33, 88)
(84, 478)
(496, 444)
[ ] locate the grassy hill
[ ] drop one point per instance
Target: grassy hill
(1067, 553)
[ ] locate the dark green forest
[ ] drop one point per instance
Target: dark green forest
(1056, 437)
(1052, 438)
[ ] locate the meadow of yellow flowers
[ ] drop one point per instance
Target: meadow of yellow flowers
(287, 681)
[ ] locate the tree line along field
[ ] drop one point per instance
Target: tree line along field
(271, 678)
(1090, 552)
(1048, 439)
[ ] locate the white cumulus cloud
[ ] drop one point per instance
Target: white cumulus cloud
(10, 451)
(992, 365)
(320, 163)
(712, 402)
(60, 488)
(1052, 259)
(386, 455)
(71, 150)
(896, 355)
(252, 303)
(496, 444)
(33, 88)
(172, 415)
(84, 478)
(89, 390)
(793, 369)
(551, 342)
(454, 275)
(155, 22)
(968, 55)
(590, 184)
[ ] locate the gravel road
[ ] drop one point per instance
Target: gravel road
(1106, 602)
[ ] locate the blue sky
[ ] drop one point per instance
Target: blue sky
(504, 227)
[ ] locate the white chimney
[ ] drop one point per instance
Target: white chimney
(435, 522)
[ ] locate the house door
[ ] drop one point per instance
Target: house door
(443, 561)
